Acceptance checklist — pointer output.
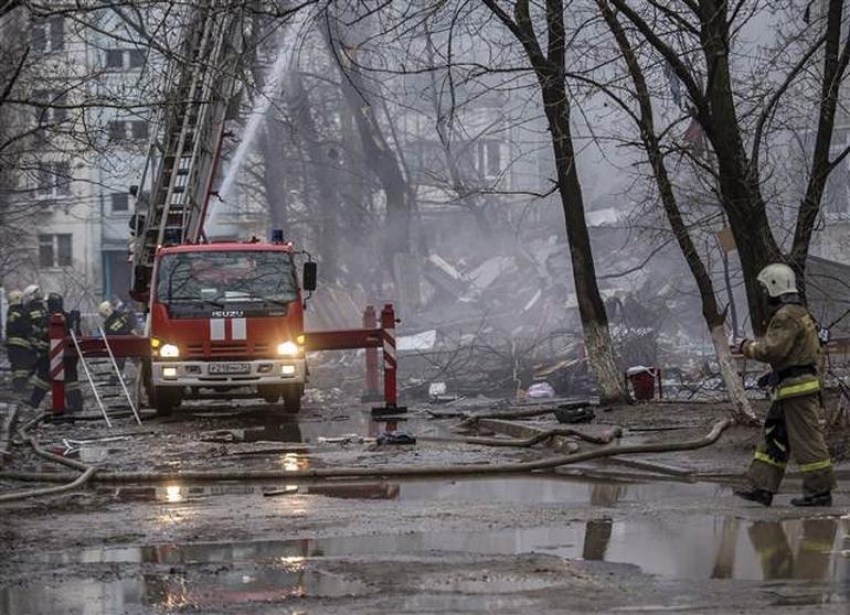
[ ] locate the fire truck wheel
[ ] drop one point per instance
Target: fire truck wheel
(292, 399)
(270, 394)
(166, 399)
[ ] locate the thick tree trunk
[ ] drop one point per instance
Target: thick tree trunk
(594, 321)
(741, 408)
(550, 72)
(600, 355)
(739, 180)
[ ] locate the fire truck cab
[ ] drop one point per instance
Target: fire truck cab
(227, 316)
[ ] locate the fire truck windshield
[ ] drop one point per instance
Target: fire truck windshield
(221, 279)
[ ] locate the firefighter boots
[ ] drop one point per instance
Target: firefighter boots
(754, 494)
(819, 499)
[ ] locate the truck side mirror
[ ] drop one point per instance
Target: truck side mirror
(308, 278)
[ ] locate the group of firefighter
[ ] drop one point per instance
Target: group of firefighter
(28, 343)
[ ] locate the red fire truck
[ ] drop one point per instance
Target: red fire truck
(226, 316)
(221, 315)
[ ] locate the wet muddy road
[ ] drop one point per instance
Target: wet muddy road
(602, 537)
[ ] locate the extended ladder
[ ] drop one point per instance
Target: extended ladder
(180, 168)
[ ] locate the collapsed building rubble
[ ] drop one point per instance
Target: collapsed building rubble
(496, 317)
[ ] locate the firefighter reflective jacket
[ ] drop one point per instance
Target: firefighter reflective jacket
(118, 323)
(792, 347)
(18, 327)
(39, 326)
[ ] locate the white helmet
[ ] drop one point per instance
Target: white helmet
(778, 279)
(16, 297)
(33, 291)
(105, 309)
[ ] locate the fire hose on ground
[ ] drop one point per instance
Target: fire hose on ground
(605, 438)
(91, 474)
(71, 482)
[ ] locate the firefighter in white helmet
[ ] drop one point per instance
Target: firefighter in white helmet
(792, 427)
(116, 322)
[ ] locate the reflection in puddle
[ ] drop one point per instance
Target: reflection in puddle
(273, 582)
(508, 489)
(696, 548)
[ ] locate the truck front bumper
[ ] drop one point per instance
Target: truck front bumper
(229, 373)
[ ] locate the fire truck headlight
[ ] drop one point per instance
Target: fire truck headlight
(169, 351)
(288, 349)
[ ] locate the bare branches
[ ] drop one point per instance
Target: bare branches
(835, 64)
(7, 6)
(769, 107)
(13, 78)
(658, 248)
(672, 58)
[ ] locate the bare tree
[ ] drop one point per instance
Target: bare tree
(362, 96)
(735, 123)
(645, 122)
(549, 69)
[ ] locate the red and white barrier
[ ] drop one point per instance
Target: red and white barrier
(369, 338)
(390, 361)
(57, 364)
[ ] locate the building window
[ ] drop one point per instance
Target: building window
(54, 250)
(53, 179)
(126, 130)
(836, 196)
(48, 35)
(120, 202)
(489, 162)
(427, 161)
(45, 111)
(124, 59)
(139, 129)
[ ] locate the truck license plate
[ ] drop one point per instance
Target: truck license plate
(229, 368)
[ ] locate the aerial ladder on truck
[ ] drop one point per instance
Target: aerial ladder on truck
(180, 167)
(237, 320)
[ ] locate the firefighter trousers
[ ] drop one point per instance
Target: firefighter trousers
(792, 429)
(42, 383)
(21, 361)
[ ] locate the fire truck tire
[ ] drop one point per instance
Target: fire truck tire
(269, 393)
(292, 399)
(166, 399)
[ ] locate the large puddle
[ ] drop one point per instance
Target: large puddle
(196, 576)
(288, 577)
(696, 548)
(508, 490)
(701, 547)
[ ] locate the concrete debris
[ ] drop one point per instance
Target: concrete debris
(499, 319)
